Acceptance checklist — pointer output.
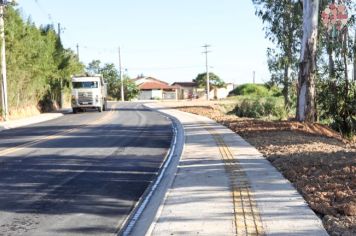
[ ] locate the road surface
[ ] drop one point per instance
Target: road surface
(80, 174)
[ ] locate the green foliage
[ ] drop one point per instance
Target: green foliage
(37, 63)
(130, 89)
(338, 105)
(336, 91)
(112, 77)
(283, 27)
(94, 67)
(257, 107)
(251, 89)
(256, 90)
(215, 81)
(110, 74)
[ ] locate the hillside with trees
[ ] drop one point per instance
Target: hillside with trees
(39, 68)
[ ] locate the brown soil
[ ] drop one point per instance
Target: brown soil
(319, 163)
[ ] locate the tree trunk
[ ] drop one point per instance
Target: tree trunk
(354, 52)
(345, 37)
(330, 52)
(286, 88)
(306, 108)
(347, 83)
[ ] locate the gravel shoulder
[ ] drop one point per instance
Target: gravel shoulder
(315, 159)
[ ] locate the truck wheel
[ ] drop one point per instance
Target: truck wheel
(100, 109)
(104, 107)
(75, 110)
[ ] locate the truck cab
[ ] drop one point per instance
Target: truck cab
(89, 92)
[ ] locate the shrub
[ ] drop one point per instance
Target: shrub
(337, 106)
(250, 89)
(260, 107)
(260, 90)
(275, 91)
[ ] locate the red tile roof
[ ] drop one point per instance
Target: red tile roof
(185, 84)
(149, 79)
(154, 85)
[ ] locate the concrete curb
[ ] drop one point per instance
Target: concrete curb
(144, 213)
(282, 209)
(32, 120)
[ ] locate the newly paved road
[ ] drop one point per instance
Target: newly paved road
(80, 174)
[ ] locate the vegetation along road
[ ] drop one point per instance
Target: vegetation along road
(79, 174)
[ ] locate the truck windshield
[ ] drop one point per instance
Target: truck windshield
(86, 84)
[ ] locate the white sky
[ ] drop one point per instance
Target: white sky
(161, 38)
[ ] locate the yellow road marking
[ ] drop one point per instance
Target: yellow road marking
(55, 136)
(247, 217)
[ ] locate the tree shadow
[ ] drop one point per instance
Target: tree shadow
(86, 181)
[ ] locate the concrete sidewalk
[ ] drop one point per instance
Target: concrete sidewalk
(224, 186)
(32, 120)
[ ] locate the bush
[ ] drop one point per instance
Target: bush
(337, 107)
(256, 90)
(260, 107)
(250, 89)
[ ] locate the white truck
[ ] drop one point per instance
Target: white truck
(89, 91)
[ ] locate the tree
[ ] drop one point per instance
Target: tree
(130, 89)
(94, 67)
(283, 27)
(306, 106)
(215, 81)
(336, 92)
(37, 63)
(111, 75)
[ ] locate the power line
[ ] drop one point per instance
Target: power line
(164, 68)
(50, 18)
(148, 51)
(39, 5)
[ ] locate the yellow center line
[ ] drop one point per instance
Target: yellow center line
(246, 216)
(55, 136)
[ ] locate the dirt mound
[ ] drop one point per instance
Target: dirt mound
(246, 124)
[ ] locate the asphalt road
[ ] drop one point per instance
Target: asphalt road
(80, 174)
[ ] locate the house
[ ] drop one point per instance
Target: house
(221, 93)
(186, 90)
(152, 88)
(189, 90)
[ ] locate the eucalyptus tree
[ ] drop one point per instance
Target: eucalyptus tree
(336, 93)
(283, 21)
(306, 105)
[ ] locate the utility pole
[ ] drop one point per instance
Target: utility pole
(254, 77)
(206, 52)
(5, 108)
(61, 82)
(59, 30)
(121, 77)
(78, 51)
(354, 71)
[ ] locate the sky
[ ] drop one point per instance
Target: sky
(161, 38)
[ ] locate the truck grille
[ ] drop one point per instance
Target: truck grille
(85, 98)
